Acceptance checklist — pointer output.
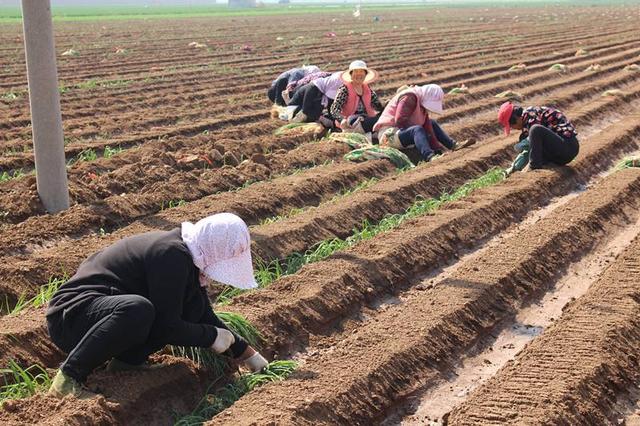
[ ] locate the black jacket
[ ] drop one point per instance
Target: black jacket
(158, 266)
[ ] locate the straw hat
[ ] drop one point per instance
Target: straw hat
(372, 74)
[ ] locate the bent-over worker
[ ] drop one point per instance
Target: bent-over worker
(146, 291)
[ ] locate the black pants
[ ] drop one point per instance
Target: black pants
(103, 328)
(275, 91)
(367, 122)
(309, 99)
(547, 146)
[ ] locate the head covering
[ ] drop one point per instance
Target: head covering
(371, 76)
(308, 69)
(504, 115)
(430, 97)
(329, 86)
(221, 248)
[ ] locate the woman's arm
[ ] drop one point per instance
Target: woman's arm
(168, 274)
(406, 105)
(375, 102)
(338, 103)
(209, 317)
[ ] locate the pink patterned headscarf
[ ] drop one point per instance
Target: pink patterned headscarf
(220, 246)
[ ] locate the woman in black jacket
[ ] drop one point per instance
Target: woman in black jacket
(146, 291)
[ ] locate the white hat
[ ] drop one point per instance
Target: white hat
(360, 65)
(431, 96)
(221, 248)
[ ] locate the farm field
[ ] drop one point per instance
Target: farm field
(440, 294)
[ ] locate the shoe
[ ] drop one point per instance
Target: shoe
(116, 365)
(300, 117)
(326, 122)
(430, 157)
(464, 144)
(63, 385)
(390, 139)
(358, 128)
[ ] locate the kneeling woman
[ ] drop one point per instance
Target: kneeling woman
(405, 121)
(357, 107)
(147, 291)
(550, 135)
(278, 93)
(311, 100)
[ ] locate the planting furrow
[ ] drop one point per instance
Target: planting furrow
(392, 195)
(472, 69)
(577, 370)
(57, 254)
(285, 320)
(499, 345)
(364, 372)
(129, 398)
(386, 197)
(469, 128)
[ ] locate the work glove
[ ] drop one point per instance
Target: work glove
(256, 362)
(224, 339)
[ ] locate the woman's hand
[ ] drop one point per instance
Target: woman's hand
(252, 359)
(248, 353)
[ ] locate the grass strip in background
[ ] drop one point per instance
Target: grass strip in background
(345, 192)
(267, 272)
(23, 382)
(629, 162)
(8, 175)
(45, 294)
(213, 404)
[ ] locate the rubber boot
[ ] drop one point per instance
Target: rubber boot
(63, 385)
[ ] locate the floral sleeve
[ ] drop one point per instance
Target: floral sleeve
(338, 103)
(375, 102)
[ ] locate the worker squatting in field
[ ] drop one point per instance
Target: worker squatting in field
(132, 298)
(547, 136)
(344, 101)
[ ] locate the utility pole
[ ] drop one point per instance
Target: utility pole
(44, 99)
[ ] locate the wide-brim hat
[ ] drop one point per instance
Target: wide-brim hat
(372, 75)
